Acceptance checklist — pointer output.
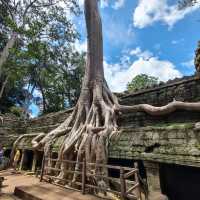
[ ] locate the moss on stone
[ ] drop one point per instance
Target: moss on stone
(173, 126)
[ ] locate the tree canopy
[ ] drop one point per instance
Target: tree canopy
(141, 81)
(37, 53)
(186, 3)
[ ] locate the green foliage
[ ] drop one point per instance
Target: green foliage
(141, 81)
(43, 56)
(183, 4)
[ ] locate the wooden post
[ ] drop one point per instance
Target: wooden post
(42, 170)
(137, 181)
(83, 176)
(123, 184)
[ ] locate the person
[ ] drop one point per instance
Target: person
(16, 159)
(1, 154)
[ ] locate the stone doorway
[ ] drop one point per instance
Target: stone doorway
(180, 182)
(26, 160)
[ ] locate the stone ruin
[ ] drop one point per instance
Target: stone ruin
(167, 148)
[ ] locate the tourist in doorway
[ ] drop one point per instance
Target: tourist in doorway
(16, 159)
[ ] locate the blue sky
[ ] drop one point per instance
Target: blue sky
(144, 36)
(151, 37)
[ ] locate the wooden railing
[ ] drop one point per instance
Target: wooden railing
(128, 181)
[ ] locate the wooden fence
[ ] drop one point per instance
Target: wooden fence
(128, 180)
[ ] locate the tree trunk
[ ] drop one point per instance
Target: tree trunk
(5, 53)
(3, 86)
(43, 98)
(93, 120)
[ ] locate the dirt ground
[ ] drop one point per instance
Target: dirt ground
(31, 184)
(47, 191)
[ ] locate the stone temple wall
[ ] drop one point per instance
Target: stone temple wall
(156, 142)
(143, 137)
(13, 127)
(186, 89)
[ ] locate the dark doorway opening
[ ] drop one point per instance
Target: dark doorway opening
(180, 182)
(7, 153)
(28, 160)
(39, 160)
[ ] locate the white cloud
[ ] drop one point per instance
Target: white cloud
(119, 34)
(188, 64)
(147, 13)
(177, 41)
(80, 46)
(104, 3)
(81, 2)
(118, 75)
(141, 54)
(118, 4)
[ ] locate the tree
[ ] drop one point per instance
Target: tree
(43, 48)
(32, 20)
(197, 58)
(20, 13)
(187, 3)
(94, 118)
(142, 81)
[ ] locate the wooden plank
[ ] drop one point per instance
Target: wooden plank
(111, 166)
(57, 178)
(97, 165)
(83, 176)
(131, 173)
(123, 184)
(133, 188)
(98, 188)
(137, 180)
(68, 171)
(132, 196)
(68, 161)
(105, 177)
(53, 169)
(42, 170)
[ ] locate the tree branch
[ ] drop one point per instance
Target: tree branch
(26, 10)
(8, 8)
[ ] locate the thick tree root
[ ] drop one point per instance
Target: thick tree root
(163, 110)
(93, 122)
(17, 142)
(2, 120)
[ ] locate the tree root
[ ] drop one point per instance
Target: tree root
(2, 120)
(17, 142)
(93, 123)
(163, 110)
